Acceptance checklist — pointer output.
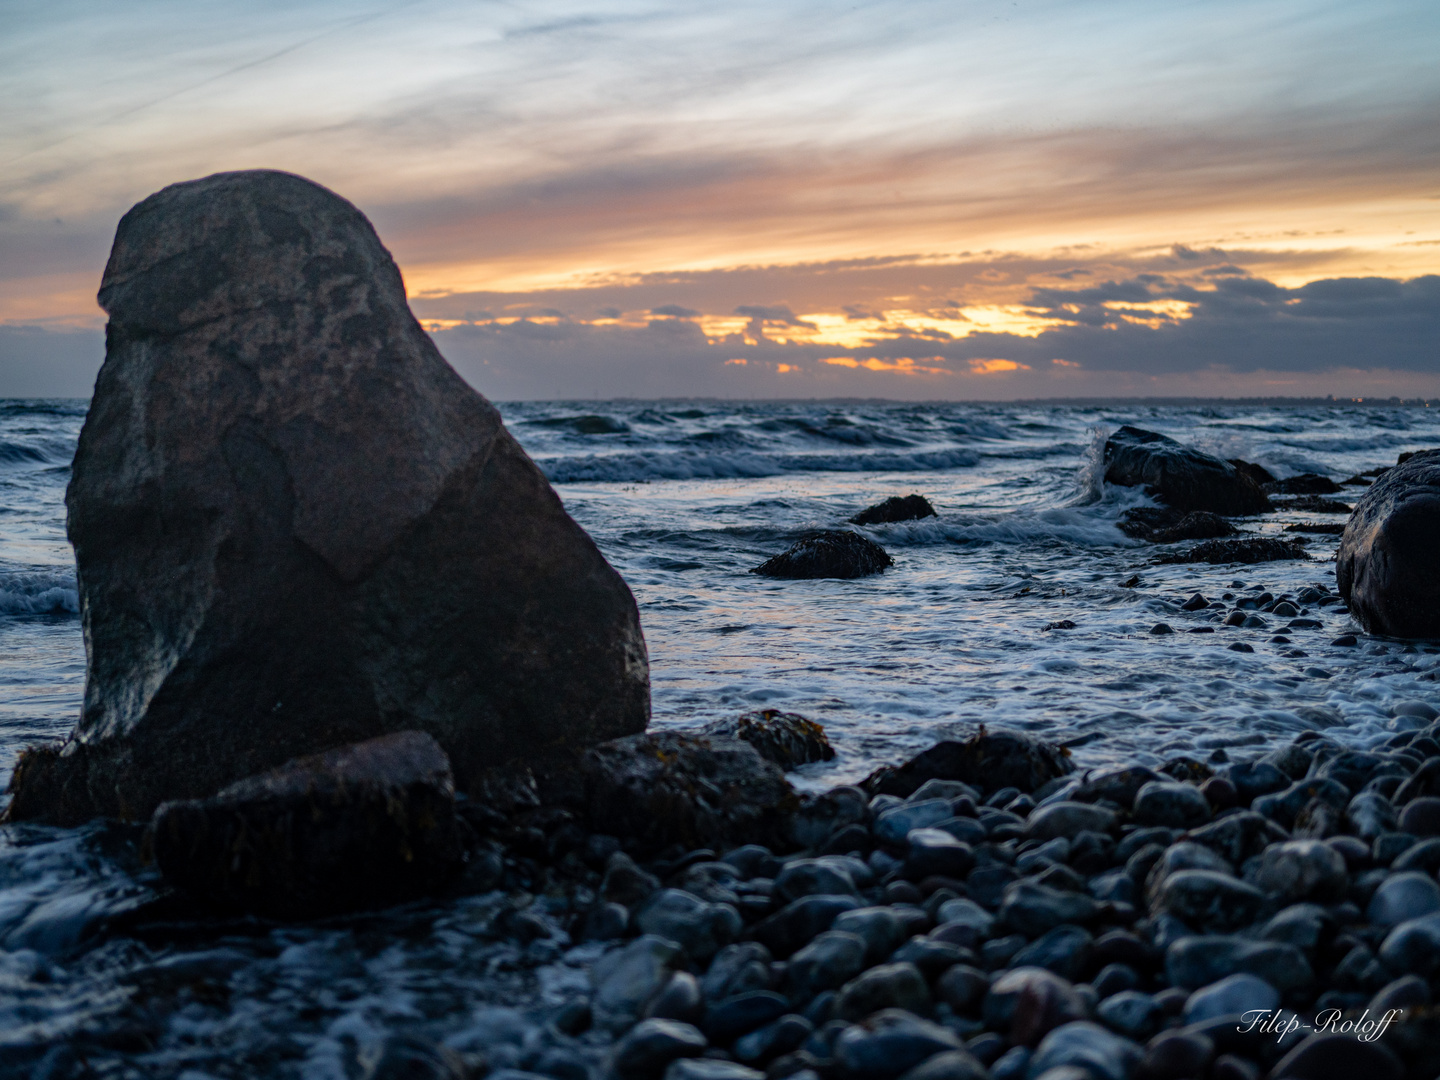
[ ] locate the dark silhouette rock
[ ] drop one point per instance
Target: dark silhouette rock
(1387, 568)
(666, 787)
(1312, 504)
(829, 554)
(1163, 525)
(787, 739)
(895, 508)
(989, 760)
(1180, 476)
(297, 527)
(1257, 473)
(361, 826)
(1250, 550)
(1307, 483)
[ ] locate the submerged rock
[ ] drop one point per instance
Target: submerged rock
(361, 826)
(1250, 550)
(1386, 566)
(787, 739)
(834, 553)
(989, 760)
(1307, 483)
(295, 524)
(1166, 525)
(1180, 476)
(895, 508)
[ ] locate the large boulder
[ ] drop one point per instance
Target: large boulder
(989, 760)
(1387, 568)
(359, 826)
(297, 527)
(1180, 476)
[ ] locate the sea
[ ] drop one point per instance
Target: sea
(1020, 604)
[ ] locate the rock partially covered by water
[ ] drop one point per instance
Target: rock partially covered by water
(896, 508)
(295, 523)
(787, 739)
(666, 787)
(360, 826)
(1250, 550)
(833, 553)
(1180, 476)
(1386, 567)
(989, 760)
(1305, 483)
(1165, 525)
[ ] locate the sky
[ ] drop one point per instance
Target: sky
(968, 199)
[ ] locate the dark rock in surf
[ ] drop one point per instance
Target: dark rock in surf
(662, 788)
(895, 508)
(361, 826)
(1165, 525)
(1180, 476)
(787, 739)
(297, 527)
(1386, 567)
(989, 760)
(829, 554)
(1250, 550)
(1307, 483)
(1257, 473)
(1312, 504)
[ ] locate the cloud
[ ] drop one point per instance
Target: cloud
(675, 311)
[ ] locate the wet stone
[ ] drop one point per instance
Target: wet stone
(680, 1000)
(1406, 992)
(1209, 900)
(784, 1035)
(1421, 816)
(1369, 815)
(1301, 925)
(900, 986)
(890, 1043)
(1402, 897)
(743, 1013)
(627, 978)
(1235, 994)
(1176, 806)
(798, 922)
(1413, 854)
(710, 1069)
(881, 929)
(812, 877)
(893, 825)
(1065, 950)
(736, 969)
(1033, 909)
(930, 955)
(1130, 1013)
(1175, 1055)
(1255, 778)
(933, 852)
(1413, 947)
(1193, 962)
(1030, 1002)
(828, 962)
(1091, 1047)
(700, 928)
(651, 1045)
(1333, 1056)
(949, 1065)
(1303, 870)
(1068, 819)
(962, 987)
(1013, 1064)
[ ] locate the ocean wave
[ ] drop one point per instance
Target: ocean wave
(630, 467)
(39, 593)
(1082, 528)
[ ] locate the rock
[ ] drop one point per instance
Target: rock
(1413, 947)
(1421, 816)
(895, 824)
(1415, 855)
(949, 1065)
(1176, 1055)
(887, 986)
(1030, 1002)
(1292, 760)
(1306, 483)
(667, 787)
(1423, 781)
(681, 999)
(962, 987)
(797, 923)
(827, 963)
(1065, 950)
(1033, 909)
(1237, 837)
(743, 1013)
(813, 877)
(1284, 806)
(890, 1043)
(606, 922)
(988, 761)
(1369, 815)
(1180, 476)
(1234, 995)
(1301, 925)
(1333, 1056)
(882, 929)
(1196, 525)
(1069, 819)
(1249, 550)
(1209, 900)
(627, 978)
(362, 826)
(1104, 1054)
(1406, 992)
(896, 508)
(625, 883)
(296, 526)
(963, 911)
(1013, 1064)
(832, 553)
(701, 929)
(1119, 786)
(651, 1045)
(1255, 778)
(819, 817)
(1130, 1013)
(1385, 568)
(787, 739)
(1312, 504)
(1303, 870)
(406, 1057)
(736, 969)
(783, 1036)
(1193, 962)
(1402, 897)
(934, 852)
(710, 1069)
(1175, 806)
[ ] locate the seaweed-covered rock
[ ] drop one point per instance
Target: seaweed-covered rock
(1166, 525)
(1180, 476)
(360, 826)
(1250, 550)
(297, 527)
(1312, 504)
(787, 739)
(666, 787)
(1386, 567)
(1307, 483)
(989, 760)
(896, 508)
(833, 553)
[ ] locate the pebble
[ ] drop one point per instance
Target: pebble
(1131, 1013)
(1255, 778)
(1240, 646)
(680, 1000)
(1014, 1064)
(1421, 816)
(1413, 947)
(813, 877)
(784, 1035)
(743, 1013)
(949, 1065)
(1176, 1055)
(606, 921)
(1065, 950)
(1293, 760)
(1031, 1001)
(900, 986)
(882, 929)
(1402, 897)
(1233, 995)
(1423, 855)
(830, 961)
(892, 825)
(736, 969)
(651, 1045)
(1033, 909)
(1406, 992)
(1303, 870)
(1283, 806)
(1088, 1045)
(930, 955)
(798, 922)
(1173, 805)
(1209, 900)
(891, 1042)
(626, 979)
(962, 987)
(1196, 961)
(1113, 978)
(1068, 819)
(700, 928)
(711, 1069)
(1335, 1056)
(1162, 628)
(1301, 925)
(936, 853)
(966, 912)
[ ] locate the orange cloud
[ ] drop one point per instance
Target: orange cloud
(904, 365)
(981, 366)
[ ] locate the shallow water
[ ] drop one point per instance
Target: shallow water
(684, 498)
